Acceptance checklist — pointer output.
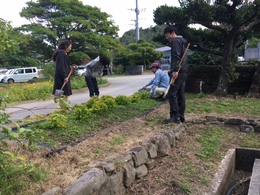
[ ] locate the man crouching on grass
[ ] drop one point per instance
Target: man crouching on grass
(159, 83)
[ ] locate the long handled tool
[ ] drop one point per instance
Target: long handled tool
(173, 79)
(59, 92)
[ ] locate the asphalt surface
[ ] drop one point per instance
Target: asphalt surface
(121, 85)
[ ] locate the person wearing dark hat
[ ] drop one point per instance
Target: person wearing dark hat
(159, 83)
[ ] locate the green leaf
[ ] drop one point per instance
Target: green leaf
(14, 135)
(9, 154)
(7, 130)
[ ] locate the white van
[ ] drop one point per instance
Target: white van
(21, 75)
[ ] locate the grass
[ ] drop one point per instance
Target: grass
(210, 142)
(76, 129)
(41, 90)
(209, 105)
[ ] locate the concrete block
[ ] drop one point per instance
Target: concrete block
(254, 186)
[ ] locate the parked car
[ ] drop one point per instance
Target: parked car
(3, 73)
(21, 75)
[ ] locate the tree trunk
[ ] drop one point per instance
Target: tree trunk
(223, 81)
(222, 88)
(255, 86)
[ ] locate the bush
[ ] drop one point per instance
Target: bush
(81, 112)
(122, 100)
(144, 95)
(119, 69)
(99, 107)
(135, 97)
(109, 101)
(56, 120)
(90, 102)
(16, 174)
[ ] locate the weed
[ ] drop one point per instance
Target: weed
(203, 179)
(117, 140)
(209, 141)
(185, 185)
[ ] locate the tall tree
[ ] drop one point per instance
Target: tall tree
(146, 34)
(140, 53)
(7, 43)
(227, 24)
(87, 27)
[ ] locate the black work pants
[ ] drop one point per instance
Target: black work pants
(176, 98)
(92, 86)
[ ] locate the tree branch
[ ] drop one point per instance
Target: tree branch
(199, 47)
(211, 26)
(248, 26)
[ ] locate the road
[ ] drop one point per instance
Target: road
(121, 85)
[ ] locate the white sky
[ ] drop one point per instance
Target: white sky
(118, 9)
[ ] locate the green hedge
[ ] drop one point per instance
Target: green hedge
(209, 75)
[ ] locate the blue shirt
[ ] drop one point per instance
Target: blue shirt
(160, 80)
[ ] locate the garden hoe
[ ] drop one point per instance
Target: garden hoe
(173, 79)
(59, 92)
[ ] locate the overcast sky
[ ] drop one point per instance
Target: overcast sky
(120, 10)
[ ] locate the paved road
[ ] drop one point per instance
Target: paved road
(121, 85)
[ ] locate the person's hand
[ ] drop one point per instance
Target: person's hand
(74, 66)
(175, 75)
(144, 87)
(66, 80)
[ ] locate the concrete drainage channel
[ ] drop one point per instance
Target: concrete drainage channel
(243, 160)
(112, 177)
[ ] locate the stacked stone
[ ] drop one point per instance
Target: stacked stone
(244, 125)
(114, 176)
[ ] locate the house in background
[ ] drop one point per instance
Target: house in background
(166, 59)
(252, 53)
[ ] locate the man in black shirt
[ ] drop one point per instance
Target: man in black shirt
(176, 93)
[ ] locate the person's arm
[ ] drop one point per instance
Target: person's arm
(155, 83)
(176, 52)
(150, 83)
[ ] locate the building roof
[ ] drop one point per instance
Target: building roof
(163, 49)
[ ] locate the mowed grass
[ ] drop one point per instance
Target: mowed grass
(223, 105)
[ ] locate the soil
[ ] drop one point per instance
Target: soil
(182, 172)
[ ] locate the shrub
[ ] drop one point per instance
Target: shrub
(109, 101)
(144, 95)
(91, 101)
(56, 120)
(17, 174)
(135, 97)
(122, 100)
(81, 112)
(99, 107)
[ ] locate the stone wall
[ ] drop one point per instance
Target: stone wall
(112, 177)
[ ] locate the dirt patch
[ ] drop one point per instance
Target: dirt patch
(182, 172)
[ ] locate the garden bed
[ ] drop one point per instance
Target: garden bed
(190, 166)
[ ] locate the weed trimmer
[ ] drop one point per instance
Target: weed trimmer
(173, 79)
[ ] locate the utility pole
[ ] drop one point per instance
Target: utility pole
(137, 12)
(137, 37)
